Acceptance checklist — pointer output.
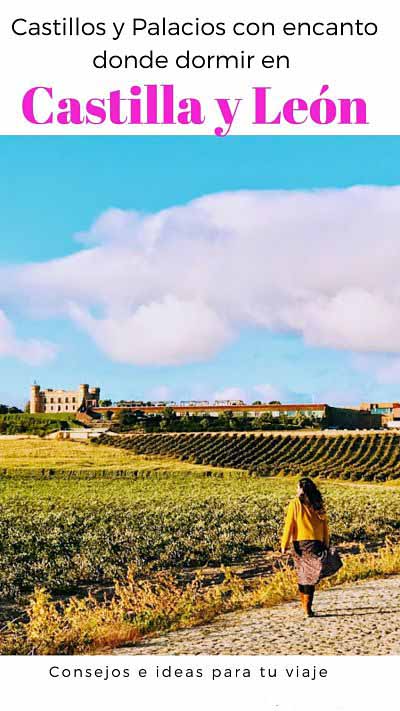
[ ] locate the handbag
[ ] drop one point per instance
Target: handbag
(331, 562)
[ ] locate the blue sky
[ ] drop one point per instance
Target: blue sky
(52, 188)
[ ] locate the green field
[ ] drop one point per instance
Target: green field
(369, 457)
(32, 457)
(39, 425)
(62, 530)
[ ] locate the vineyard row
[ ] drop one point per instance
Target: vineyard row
(369, 456)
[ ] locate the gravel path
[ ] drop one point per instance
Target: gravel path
(357, 618)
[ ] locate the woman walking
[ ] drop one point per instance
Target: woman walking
(306, 527)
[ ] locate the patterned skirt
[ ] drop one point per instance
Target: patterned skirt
(309, 559)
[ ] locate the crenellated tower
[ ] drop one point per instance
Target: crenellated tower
(35, 399)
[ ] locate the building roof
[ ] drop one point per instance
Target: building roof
(217, 408)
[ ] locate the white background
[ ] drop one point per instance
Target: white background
(353, 66)
(353, 683)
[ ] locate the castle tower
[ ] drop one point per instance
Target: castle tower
(83, 393)
(35, 401)
(94, 394)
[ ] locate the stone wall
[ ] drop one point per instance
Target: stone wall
(69, 401)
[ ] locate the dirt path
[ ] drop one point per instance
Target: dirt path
(357, 618)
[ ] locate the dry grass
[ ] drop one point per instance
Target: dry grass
(144, 606)
(63, 455)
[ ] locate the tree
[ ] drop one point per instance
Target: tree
(205, 424)
(224, 420)
(264, 421)
(152, 423)
(169, 416)
(283, 420)
(187, 422)
(105, 403)
(7, 410)
(257, 402)
(126, 419)
(241, 422)
(274, 402)
(299, 419)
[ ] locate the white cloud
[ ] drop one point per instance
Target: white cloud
(113, 225)
(385, 369)
(267, 392)
(179, 285)
(388, 373)
(231, 393)
(29, 351)
(161, 393)
(169, 331)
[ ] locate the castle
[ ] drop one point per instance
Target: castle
(63, 400)
(87, 400)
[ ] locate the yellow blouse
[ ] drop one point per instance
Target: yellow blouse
(303, 523)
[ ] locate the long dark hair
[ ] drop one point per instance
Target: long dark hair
(310, 494)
